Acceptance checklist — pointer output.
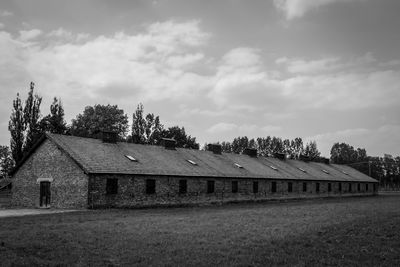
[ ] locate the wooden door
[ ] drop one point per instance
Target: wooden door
(44, 194)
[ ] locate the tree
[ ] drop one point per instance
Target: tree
(342, 153)
(6, 161)
(181, 138)
(32, 118)
(17, 127)
(146, 130)
(100, 118)
(54, 122)
(311, 150)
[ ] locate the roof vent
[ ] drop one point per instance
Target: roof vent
(215, 148)
(325, 171)
(168, 143)
(304, 158)
(109, 137)
(281, 156)
(252, 152)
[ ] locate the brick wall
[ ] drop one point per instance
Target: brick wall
(132, 191)
(69, 186)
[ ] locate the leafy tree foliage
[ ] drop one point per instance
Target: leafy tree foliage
(265, 145)
(100, 118)
(17, 127)
(181, 138)
(32, 118)
(6, 161)
(311, 150)
(54, 122)
(149, 130)
(342, 153)
(146, 129)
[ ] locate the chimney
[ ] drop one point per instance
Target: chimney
(325, 160)
(215, 148)
(109, 137)
(281, 156)
(252, 152)
(168, 143)
(304, 158)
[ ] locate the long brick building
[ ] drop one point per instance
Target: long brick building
(74, 172)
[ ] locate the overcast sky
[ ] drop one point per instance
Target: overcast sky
(323, 70)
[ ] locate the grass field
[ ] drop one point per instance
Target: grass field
(351, 231)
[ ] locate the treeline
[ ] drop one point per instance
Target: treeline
(385, 169)
(267, 146)
(27, 125)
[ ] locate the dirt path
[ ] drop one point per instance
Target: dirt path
(26, 212)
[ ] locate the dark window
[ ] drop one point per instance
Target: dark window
(290, 187)
(366, 187)
(255, 187)
(304, 187)
(340, 187)
(150, 186)
(182, 186)
(112, 186)
(210, 186)
(349, 187)
(273, 187)
(235, 186)
(317, 187)
(329, 187)
(358, 187)
(374, 187)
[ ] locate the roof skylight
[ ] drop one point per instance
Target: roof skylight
(131, 158)
(325, 171)
(303, 170)
(191, 162)
(238, 166)
(273, 167)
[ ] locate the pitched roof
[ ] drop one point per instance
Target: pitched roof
(96, 157)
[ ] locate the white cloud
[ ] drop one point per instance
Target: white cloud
(29, 34)
(297, 8)
(5, 13)
(375, 140)
(2, 26)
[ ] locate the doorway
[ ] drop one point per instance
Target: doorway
(44, 194)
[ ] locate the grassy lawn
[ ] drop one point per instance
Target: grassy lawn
(352, 231)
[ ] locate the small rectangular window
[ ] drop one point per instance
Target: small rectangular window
(375, 187)
(112, 186)
(273, 167)
(317, 187)
(340, 187)
(329, 187)
(290, 187)
(273, 187)
(182, 186)
(192, 162)
(304, 187)
(131, 158)
(235, 186)
(303, 170)
(237, 165)
(349, 187)
(255, 187)
(366, 187)
(150, 186)
(210, 187)
(358, 187)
